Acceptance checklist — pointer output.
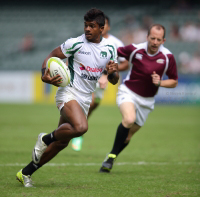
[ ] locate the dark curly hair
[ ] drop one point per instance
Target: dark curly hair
(95, 15)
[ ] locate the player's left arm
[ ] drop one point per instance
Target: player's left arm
(112, 66)
(168, 83)
(113, 73)
(172, 82)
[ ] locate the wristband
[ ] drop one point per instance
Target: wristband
(43, 71)
(158, 83)
(105, 72)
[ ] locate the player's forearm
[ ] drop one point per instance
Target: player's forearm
(123, 66)
(168, 83)
(44, 62)
(113, 78)
(55, 53)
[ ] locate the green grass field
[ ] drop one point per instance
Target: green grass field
(162, 160)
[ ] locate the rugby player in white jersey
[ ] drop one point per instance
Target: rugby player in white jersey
(102, 82)
(135, 99)
(88, 54)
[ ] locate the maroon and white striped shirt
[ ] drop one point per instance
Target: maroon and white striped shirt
(139, 78)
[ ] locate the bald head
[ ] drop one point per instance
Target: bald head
(155, 37)
(157, 27)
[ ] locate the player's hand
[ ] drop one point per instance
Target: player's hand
(103, 81)
(155, 79)
(111, 67)
(56, 80)
(112, 70)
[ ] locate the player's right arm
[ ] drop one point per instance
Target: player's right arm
(56, 80)
(125, 51)
(122, 66)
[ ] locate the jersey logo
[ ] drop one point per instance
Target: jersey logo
(138, 56)
(103, 54)
(90, 78)
(160, 61)
(84, 53)
(88, 68)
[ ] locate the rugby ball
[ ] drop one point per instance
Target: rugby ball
(58, 67)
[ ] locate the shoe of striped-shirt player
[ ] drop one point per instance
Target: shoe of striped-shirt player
(25, 180)
(39, 149)
(108, 163)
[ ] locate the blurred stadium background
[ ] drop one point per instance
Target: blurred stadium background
(31, 29)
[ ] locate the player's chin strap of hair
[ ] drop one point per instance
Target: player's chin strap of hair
(43, 71)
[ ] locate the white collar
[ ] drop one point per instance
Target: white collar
(151, 55)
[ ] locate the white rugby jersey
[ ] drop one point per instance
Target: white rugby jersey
(87, 60)
(117, 43)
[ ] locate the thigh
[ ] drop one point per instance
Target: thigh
(72, 113)
(127, 110)
(67, 94)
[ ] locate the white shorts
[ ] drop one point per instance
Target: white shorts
(143, 105)
(66, 94)
(99, 92)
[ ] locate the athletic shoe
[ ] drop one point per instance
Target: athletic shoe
(77, 143)
(108, 163)
(25, 180)
(39, 149)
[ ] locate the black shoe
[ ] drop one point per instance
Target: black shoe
(108, 163)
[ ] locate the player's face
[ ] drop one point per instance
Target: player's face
(155, 39)
(92, 31)
(106, 28)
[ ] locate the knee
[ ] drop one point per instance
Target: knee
(128, 121)
(81, 129)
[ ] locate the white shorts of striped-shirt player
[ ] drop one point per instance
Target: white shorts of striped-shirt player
(66, 94)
